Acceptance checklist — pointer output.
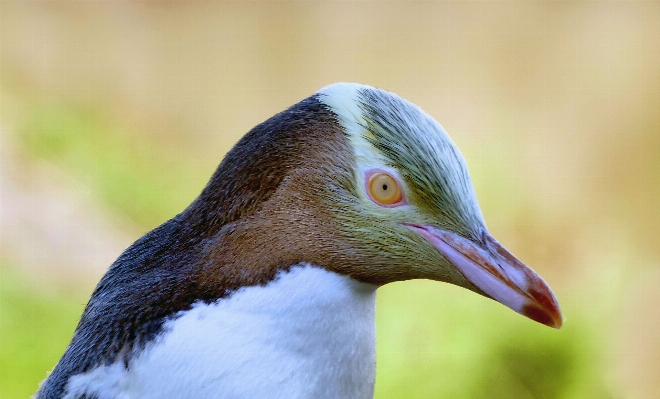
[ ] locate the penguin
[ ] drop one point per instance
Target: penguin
(265, 285)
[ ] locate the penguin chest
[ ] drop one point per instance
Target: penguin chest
(309, 333)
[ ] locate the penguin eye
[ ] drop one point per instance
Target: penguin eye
(384, 189)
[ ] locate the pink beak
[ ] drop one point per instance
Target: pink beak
(496, 272)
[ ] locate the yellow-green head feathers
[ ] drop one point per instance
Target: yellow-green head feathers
(389, 132)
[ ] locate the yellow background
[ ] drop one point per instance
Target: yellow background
(115, 114)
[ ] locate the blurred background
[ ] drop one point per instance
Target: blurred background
(115, 114)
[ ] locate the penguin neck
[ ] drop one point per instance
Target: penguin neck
(307, 333)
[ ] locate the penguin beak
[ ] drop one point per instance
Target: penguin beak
(496, 272)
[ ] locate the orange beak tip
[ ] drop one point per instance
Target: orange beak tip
(549, 317)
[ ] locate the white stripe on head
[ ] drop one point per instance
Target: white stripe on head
(391, 133)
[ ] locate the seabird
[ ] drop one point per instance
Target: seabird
(265, 286)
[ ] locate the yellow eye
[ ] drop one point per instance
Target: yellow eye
(384, 189)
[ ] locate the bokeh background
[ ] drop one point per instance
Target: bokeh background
(115, 114)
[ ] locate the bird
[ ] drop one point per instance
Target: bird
(265, 285)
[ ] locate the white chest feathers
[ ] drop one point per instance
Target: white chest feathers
(309, 333)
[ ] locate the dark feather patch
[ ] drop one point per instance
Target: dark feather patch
(188, 259)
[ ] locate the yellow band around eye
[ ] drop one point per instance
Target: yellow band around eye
(384, 189)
